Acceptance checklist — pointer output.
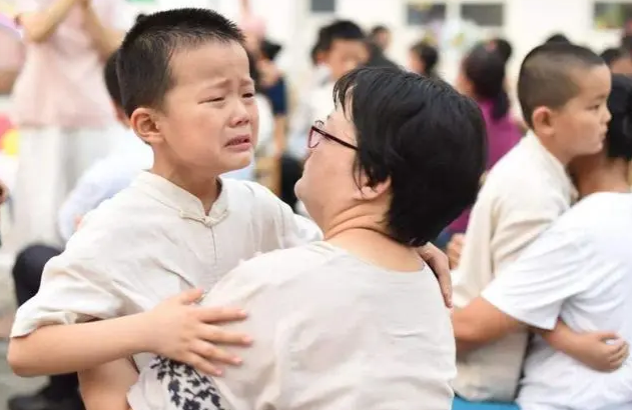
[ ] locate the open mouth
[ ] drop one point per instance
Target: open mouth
(238, 141)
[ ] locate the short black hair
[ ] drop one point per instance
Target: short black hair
(611, 55)
(557, 38)
(339, 30)
(619, 137)
(145, 55)
(547, 75)
(429, 55)
(485, 69)
(111, 80)
(378, 29)
(503, 48)
(422, 134)
(626, 43)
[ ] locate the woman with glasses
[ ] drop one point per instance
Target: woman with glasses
(356, 321)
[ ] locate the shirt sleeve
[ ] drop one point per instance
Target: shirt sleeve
(289, 228)
(89, 192)
(77, 286)
(551, 270)
(297, 230)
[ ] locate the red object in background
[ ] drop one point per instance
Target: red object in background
(5, 125)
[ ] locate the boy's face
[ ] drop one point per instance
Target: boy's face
(209, 119)
(580, 126)
(344, 56)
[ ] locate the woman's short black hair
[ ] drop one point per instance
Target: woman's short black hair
(424, 136)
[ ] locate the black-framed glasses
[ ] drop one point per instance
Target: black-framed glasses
(316, 134)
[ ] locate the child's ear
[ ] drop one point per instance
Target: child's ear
(144, 122)
(542, 120)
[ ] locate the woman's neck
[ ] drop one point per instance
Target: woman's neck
(366, 239)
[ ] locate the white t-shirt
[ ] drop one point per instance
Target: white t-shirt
(580, 270)
(330, 332)
(152, 241)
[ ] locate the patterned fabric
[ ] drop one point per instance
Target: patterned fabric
(188, 389)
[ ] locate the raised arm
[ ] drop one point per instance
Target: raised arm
(40, 25)
(106, 39)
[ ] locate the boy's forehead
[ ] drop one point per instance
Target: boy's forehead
(210, 59)
(591, 82)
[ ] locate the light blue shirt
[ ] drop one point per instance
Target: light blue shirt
(104, 179)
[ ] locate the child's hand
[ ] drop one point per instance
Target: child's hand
(188, 333)
(601, 351)
(455, 247)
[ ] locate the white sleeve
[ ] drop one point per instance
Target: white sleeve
(298, 230)
(534, 287)
(90, 191)
(77, 286)
(289, 228)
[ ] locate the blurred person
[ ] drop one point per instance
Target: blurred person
(503, 48)
(340, 48)
(60, 104)
(423, 59)
(381, 36)
(578, 270)
(482, 77)
(563, 91)
(377, 43)
(619, 60)
(12, 58)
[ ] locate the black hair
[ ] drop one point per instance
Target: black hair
(429, 55)
(378, 30)
(503, 48)
(145, 55)
(619, 137)
(485, 69)
(254, 71)
(425, 137)
(626, 42)
(547, 75)
(557, 38)
(339, 30)
(269, 49)
(611, 55)
(111, 80)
